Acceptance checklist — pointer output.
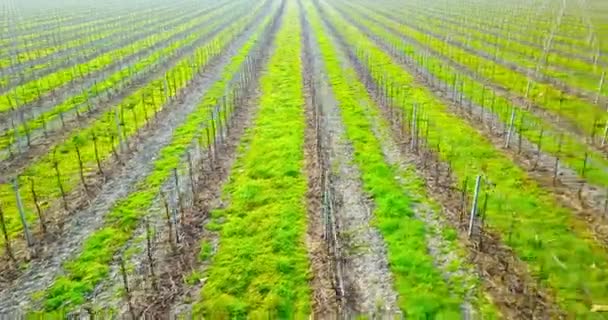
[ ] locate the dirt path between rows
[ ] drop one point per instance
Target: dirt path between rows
(445, 258)
(360, 252)
(327, 293)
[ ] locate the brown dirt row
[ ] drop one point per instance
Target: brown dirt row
(323, 282)
(363, 282)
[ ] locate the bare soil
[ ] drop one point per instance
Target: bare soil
(326, 301)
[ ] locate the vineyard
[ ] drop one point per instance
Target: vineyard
(293, 159)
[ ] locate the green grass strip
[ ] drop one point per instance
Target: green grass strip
(261, 267)
(93, 264)
(558, 249)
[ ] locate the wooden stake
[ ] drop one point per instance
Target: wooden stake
(168, 216)
(112, 144)
(583, 171)
(59, 184)
(81, 168)
(540, 144)
(7, 242)
(463, 201)
(555, 167)
(414, 127)
(175, 222)
(178, 193)
(96, 149)
(474, 207)
(21, 209)
(118, 130)
(483, 220)
(519, 132)
(44, 129)
(600, 88)
(191, 174)
(605, 134)
(38, 209)
(214, 134)
(209, 147)
(62, 119)
(149, 252)
(510, 130)
(125, 282)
